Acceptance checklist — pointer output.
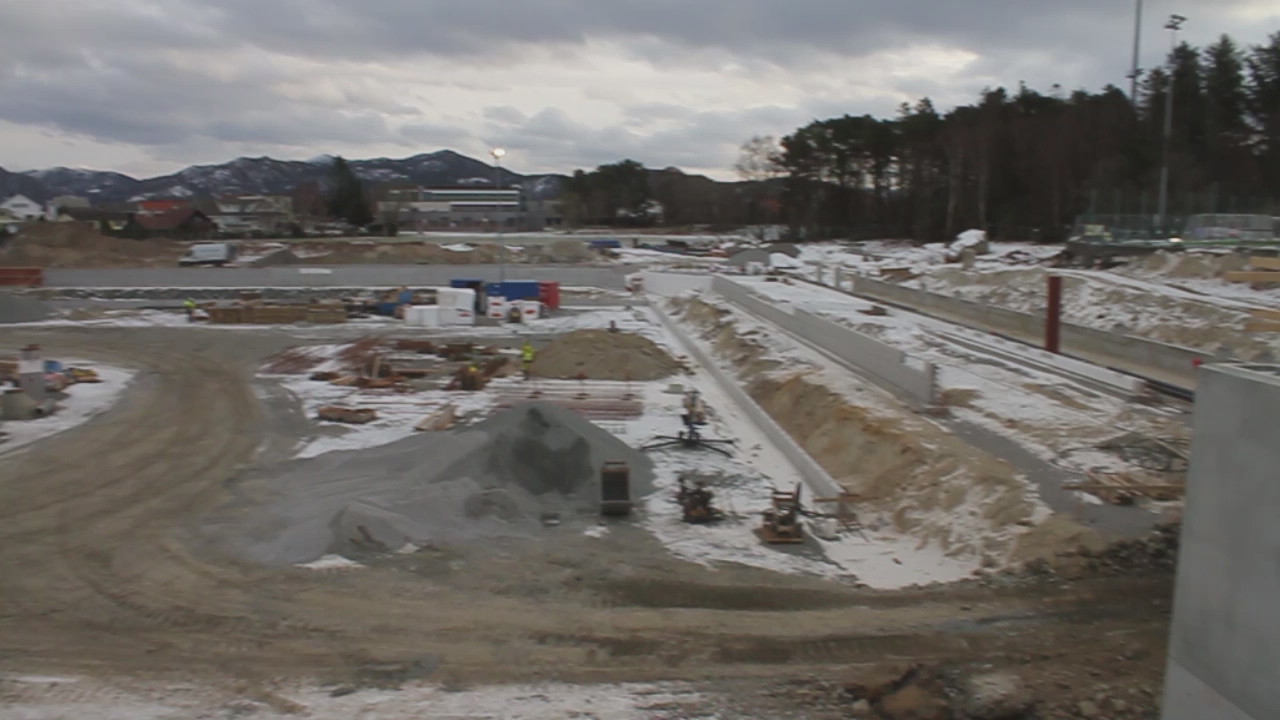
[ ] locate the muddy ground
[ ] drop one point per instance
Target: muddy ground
(103, 576)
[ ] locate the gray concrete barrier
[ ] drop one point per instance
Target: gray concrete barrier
(1077, 338)
(668, 284)
(778, 313)
(817, 479)
(912, 378)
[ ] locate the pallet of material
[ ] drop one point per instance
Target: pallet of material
(442, 419)
(1265, 270)
(1265, 326)
(225, 315)
(354, 416)
(326, 315)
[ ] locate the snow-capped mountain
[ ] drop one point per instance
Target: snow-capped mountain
(266, 175)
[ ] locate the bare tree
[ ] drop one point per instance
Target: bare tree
(760, 158)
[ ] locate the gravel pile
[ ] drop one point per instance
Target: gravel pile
(499, 478)
(18, 309)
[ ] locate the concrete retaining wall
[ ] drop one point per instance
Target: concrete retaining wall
(669, 284)
(1224, 639)
(819, 482)
(892, 369)
(1078, 338)
(776, 312)
(913, 378)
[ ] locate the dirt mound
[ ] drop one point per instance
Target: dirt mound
(498, 478)
(602, 355)
(1189, 265)
(75, 245)
(18, 309)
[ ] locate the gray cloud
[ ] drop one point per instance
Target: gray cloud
(193, 77)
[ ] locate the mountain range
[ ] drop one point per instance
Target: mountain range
(265, 175)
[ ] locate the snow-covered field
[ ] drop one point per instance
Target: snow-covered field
(84, 401)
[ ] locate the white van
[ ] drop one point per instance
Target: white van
(209, 254)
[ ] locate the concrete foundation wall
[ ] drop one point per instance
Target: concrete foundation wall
(1224, 647)
(1170, 358)
(912, 378)
(819, 482)
(671, 284)
(779, 313)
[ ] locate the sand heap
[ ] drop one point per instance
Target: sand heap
(76, 245)
(499, 478)
(602, 355)
(1193, 264)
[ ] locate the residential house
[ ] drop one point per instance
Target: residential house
(178, 224)
(248, 215)
(22, 207)
(162, 205)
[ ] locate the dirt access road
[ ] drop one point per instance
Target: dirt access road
(105, 573)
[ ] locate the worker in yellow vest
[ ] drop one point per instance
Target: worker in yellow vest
(526, 359)
(190, 306)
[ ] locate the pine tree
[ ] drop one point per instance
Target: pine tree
(346, 195)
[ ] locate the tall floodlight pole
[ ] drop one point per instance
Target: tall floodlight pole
(1137, 49)
(498, 154)
(1174, 24)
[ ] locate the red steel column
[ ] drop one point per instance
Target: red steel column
(1053, 320)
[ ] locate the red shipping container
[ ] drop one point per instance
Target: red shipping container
(26, 277)
(549, 294)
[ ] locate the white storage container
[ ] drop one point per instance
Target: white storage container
(452, 316)
(530, 309)
(422, 315)
(497, 308)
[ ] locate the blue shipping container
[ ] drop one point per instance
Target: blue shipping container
(464, 283)
(521, 290)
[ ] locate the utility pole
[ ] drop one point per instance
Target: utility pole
(1137, 49)
(1174, 24)
(497, 154)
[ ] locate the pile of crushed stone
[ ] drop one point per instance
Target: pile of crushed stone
(602, 355)
(499, 478)
(18, 309)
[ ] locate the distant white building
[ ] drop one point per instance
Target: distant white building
(22, 208)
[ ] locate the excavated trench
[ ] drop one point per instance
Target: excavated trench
(909, 473)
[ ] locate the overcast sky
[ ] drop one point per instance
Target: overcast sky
(149, 86)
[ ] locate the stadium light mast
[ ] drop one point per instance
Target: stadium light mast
(1173, 26)
(1135, 72)
(499, 153)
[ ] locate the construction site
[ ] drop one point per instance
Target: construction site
(857, 480)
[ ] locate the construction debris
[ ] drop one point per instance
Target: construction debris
(696, 502)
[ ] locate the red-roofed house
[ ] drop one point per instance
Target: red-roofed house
(159, 207)
(179, 224)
